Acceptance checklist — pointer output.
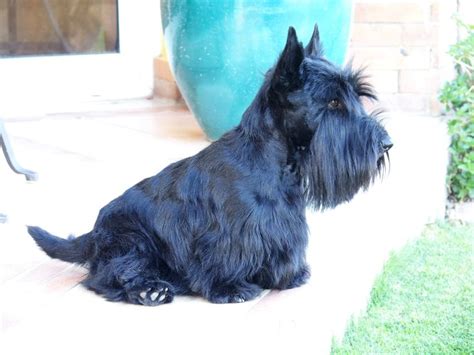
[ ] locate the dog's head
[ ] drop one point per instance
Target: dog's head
(336, 145)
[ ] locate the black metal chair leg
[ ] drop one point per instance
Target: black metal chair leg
(8, 152)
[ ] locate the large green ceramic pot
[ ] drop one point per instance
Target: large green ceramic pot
(219, 50)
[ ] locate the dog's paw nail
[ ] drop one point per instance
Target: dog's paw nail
(162, 297)
(166, 289)
(143, 294)
(237, 299)
(154, 295)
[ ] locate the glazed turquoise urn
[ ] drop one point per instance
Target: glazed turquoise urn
(219, 50)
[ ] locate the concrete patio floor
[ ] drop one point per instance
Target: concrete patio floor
(85, 159)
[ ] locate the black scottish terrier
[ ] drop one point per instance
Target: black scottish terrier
(230, 221)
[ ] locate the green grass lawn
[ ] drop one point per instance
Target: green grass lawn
(423, 302)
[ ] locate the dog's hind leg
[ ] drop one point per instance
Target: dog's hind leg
(149, 292)
(134, 279)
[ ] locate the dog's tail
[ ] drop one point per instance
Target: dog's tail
(73, 250)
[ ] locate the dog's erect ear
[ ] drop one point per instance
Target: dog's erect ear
(314, 48)
(286, 70)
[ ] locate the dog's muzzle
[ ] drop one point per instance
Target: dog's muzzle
(386, 144)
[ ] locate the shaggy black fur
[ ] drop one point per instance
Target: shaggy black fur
(230, 221)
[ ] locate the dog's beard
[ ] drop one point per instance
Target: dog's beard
(341, 160)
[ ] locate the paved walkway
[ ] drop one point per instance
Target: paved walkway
(86, 159)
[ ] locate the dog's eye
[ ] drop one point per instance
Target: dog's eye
(334, 104)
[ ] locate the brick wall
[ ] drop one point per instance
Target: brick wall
(403, 44)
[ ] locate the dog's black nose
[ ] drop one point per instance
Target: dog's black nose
(386, 144)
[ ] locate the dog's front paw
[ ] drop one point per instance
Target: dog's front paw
(218, 298)
(234, 294)
(300, 278)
